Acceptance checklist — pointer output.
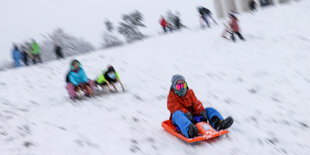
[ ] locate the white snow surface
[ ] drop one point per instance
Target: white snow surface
(263, 83)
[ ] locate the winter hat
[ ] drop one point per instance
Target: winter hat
(110, 68)
(176, 78)
(73, 62)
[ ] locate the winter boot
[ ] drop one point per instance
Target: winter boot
(222, 124)
(192, 131)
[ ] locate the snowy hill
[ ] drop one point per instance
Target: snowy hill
(263, 83)
(24, 20)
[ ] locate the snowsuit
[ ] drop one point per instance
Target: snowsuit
(164, 24)
(35, 51)
(179, 106)
(78, 79)
(111, 77)
(58, 52)
(25, 58)
(205, 14)
(16, 57)
(235, 29)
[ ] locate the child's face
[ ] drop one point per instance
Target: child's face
(76, 66)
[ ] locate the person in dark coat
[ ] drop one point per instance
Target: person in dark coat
(177, 22)
(25, 55)
(205, 14)
(58, 51)
(252, 5)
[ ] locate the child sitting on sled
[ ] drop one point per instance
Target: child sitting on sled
(183, 106)
(108, 78)
(78, 81)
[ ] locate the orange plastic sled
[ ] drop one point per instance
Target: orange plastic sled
(205, 131)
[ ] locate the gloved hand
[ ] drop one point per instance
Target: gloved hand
(189, 116)
(78, 89)
(204, 116)
(83, 85)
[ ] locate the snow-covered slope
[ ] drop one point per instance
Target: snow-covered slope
(264, 83)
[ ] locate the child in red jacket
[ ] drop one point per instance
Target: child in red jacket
(183, 106)
(235, 27)
(164, 24)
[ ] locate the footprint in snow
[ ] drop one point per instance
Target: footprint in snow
(275, 99)
(28, 144)
(134, 146)
(135, 119)
(2, 84)
(304, 125)
(137, 97)
(4, 101)
(252, 91)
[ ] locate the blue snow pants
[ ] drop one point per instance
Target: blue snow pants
(17, 63)
(179, 119)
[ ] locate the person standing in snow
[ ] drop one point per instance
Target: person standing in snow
(25, 55)
(177, 22)
(235, 27)
(205, 14)
(164, 24)
(252, 5)
(16, 56)
(35, 52)
(58, 51)
(183, 106)
(78, 81)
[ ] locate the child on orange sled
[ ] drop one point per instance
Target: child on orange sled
(183, 106)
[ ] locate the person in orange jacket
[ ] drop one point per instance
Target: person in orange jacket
(183, 106)
(235, 27)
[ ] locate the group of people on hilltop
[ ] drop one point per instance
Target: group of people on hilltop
(174, 24)
(231, 28)
(77, 81)
(31, 51)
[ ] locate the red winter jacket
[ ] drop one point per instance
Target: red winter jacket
(187, 103)
(234, 24)
(163, 22)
